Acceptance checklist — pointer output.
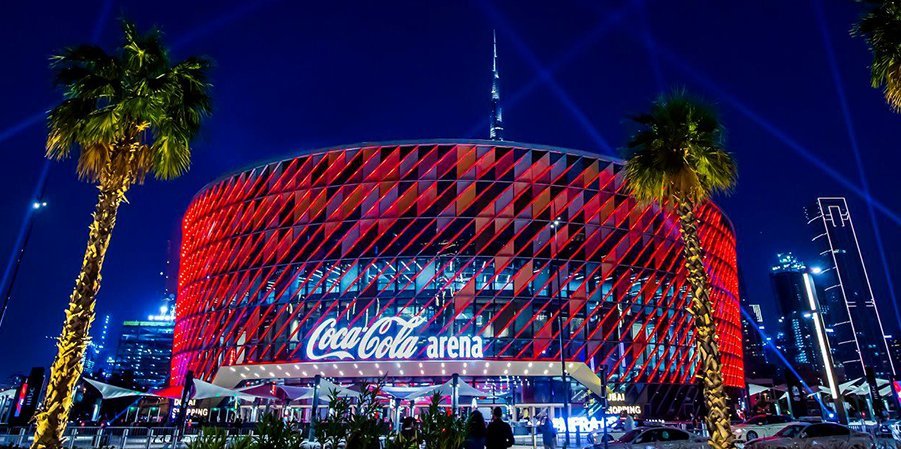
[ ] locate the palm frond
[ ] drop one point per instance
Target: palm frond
(131, 110)
(880, 27)
(677, 151)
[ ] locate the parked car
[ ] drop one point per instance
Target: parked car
(760, 426)
(616, 428)
(810, 419)
(656, 438)
(819, 436)
(889, 429)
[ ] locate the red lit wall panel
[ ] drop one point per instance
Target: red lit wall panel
(459, 234)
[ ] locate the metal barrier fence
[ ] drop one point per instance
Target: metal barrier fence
(117, 437)
(165, 438)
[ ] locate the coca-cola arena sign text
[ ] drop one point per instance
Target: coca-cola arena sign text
(389, 338)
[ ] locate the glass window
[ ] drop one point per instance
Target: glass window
(630, 435)
(824, 430)
(756, 420)
(650, 436)
(674, 435)
(790, 431)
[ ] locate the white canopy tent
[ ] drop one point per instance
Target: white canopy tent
(326, 387)
(206, 390)
(294, 392)
(400, 392)
(108, 391)
(850, 387)
(267, 391)
(757, 389)
(447, 389)
(271, 391)
(819, 389)
(861, 387)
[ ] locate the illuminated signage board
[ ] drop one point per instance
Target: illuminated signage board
(392, 338)
(619, 405)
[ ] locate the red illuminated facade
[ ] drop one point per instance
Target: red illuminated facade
(507, 242)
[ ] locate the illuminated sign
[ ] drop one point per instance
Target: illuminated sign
(193, 410)
(387, 338)
(454, 348)
(583, 424)
(618, 404)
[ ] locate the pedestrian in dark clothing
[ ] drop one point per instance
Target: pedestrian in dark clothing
(500, 434)
(408, 431)
(548, 433)
(475, 431)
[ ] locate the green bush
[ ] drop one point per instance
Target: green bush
(441, 429)
(273, 433)
(355, 422)
(210, 438)
(333, 429)
(366, 426)
(242, 442)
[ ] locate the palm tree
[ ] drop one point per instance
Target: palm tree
(131, 113)
(676, 158)
(880, 26)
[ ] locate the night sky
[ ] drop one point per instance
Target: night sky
(292, 76)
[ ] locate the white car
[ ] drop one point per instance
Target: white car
(760, 426)
(814, 436)
(656, 438)
(615, 429)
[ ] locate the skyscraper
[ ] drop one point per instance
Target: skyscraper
(894, 348)
(796, 334)
(756, 366)
(757, 313)
(496, 130)
(145, 351)
(857, 336)
(95, 357)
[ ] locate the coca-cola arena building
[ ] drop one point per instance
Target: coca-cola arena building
(414, 261)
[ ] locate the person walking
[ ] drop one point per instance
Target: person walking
(500, 434)
(476, 432)
(627, 421)
(548, 433)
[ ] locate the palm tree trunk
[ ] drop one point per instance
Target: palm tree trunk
(710, 364)
(69, 362)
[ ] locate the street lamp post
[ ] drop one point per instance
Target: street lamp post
(314, 408)
(560, 323)
(565, 377)
(604, 403)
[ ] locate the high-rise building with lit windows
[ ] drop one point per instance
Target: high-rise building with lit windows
(145, 351)
(756, 366)
(753, 343)
(96, 354)
(796, 334)
(757, 313)
(852, 312)
(894, 347)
